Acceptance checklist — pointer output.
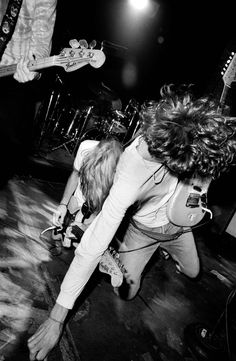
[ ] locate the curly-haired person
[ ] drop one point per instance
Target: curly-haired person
(180, 137)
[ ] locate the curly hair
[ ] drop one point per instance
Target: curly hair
(97, 172)
(188, 135)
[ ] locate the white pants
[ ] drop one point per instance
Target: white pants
(182, 250)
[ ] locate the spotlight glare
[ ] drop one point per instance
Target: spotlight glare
(139, 4)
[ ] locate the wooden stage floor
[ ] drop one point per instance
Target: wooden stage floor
(102, 327)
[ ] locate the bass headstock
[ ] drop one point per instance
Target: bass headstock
(80, 54)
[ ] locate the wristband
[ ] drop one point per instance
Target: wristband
(51, 318)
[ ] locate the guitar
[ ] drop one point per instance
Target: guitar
(229, 76)
(188, 205)
(109, 262)
(69, 58)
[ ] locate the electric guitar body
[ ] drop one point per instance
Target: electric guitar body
(188, 204)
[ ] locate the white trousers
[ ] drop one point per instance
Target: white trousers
(182, 250)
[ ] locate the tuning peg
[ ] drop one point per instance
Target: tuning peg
(83, 44)
(74, 43)
(92, 44)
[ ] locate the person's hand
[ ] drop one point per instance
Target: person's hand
(44, 339)
(59, 215)
(22, 73)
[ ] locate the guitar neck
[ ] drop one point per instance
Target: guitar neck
(223, 99)
(33, 66)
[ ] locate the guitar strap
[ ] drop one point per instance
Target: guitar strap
(160, 237)
(8, 23)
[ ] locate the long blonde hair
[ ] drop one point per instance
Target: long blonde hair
(97, 172)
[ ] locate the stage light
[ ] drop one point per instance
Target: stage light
(139, 4)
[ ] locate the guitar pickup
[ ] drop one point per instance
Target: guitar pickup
(193, 200)
(204, 200)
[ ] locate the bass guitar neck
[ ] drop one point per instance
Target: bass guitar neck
(32, 66)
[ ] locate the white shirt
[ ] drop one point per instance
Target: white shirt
(84, 148)
(33, 30)
(136, 180)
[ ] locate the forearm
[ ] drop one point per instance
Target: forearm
(59, 313)
(70, 188)
(76, 278)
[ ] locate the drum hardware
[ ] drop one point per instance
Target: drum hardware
(116, 127)
(114, 124)
(131, 106)
(48, 108)
(56, 126)
(77, 135)
(65, 145)
(53, 100)
(49, 111)
(72, 124)
(66, 124)
(86, 115)
(132, 114)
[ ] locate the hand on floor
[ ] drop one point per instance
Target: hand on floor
(44, 339)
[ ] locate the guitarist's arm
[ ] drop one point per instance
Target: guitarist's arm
(71, 185)
(22, 73)
(41, 39)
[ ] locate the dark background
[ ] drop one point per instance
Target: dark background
(182, 41)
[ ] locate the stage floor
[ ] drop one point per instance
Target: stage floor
(102, 326)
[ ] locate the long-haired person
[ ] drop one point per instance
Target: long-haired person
(180, 137)
(89, 183)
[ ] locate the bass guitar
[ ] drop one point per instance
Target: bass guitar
(69, 58)
(70, 235)
(109, 262)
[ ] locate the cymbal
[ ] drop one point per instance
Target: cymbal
(103, 91)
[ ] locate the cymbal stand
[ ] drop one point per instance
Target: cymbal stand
(76, 137)
(50, 110)
(134, 123)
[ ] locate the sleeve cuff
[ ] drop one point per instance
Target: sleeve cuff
(65, 300)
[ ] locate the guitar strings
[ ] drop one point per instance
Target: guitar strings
(11, 67)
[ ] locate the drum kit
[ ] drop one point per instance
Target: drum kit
(63, 125)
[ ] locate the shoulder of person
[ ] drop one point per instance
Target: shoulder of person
(87, 145)
(84, 147)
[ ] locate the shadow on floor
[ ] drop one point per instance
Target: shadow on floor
(102, 327)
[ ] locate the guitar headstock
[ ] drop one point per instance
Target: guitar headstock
(229, 70)
(79, 55)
